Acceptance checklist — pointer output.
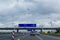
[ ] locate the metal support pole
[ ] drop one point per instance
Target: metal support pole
(41, 30)
(17, 30)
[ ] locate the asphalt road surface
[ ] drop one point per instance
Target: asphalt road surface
(26, 36)
(46, 37)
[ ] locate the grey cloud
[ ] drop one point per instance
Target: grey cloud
(37, 12)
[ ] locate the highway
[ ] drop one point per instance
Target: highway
(26, 36)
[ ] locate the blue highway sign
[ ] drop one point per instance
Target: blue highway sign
(27, 25)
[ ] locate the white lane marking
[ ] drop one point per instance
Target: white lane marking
(18, 39)
(39, 37)
(25, 36)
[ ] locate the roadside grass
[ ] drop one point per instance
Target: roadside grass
(9, 32)
(54, 34)
(5, 32)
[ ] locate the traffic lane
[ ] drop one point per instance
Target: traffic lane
(9, 36)
(28, 37)
(5, 36)
(46, 37)
(21, 36)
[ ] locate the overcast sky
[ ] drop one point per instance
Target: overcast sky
(41, 12)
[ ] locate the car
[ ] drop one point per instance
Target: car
(32, 34)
